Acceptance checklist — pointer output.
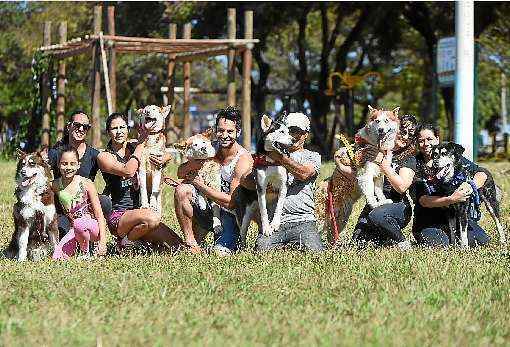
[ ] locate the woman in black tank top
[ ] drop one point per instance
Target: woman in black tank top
(119, 165)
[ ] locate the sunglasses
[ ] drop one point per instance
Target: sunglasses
(77, 126)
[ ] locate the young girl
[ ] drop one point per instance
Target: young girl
(80, 202)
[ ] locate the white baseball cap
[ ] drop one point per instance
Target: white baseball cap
(299, 120)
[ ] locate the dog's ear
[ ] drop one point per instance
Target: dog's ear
(165, 110)
(208, 134)
(395, 111)
(139, 111)
(457, 149)
(371, 109)
(20, 154)
(265, 123)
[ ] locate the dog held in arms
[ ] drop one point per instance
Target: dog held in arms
(450, 174)
(336, 196)
(35, 220)
(152, 118)
(200, 147)
(270, 179)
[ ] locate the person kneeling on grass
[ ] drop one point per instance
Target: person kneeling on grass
(119, 164)
(298, 223)
(430, 227)
(236, 163)
(79, 200)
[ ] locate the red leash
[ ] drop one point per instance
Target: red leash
(331, 211)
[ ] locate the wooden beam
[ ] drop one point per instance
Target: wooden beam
(113, 59)
(96, 81)
(231, 68)
(61, 98)
(45, 92)
(170, 81)
(247, 65)
(105, 73)
(186, 126)
(176, 42)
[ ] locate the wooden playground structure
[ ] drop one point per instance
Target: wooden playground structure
(104, 47)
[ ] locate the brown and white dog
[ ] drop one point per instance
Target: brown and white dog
(152, 118)
(35, 220)
(200, 147)
(336, 196)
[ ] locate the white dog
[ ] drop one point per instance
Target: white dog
(380, 132)
(200, 147)
(152, 118)
(275, 137)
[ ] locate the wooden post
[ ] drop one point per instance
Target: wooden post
(231, 87)
(172, 34)
(112, 67)
(105, 73)
(247, 63)
(61, 84)
(186, 126)
(45, 92)
(96, 81)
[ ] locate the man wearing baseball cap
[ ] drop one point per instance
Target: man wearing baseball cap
(298, 224)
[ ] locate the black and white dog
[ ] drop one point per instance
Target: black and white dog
(275, 137)
(451, 172)
(35, 220)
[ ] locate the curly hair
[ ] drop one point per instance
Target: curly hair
(230, 113)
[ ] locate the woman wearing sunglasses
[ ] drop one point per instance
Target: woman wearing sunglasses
(75, 136)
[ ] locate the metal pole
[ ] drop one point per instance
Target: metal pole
(247, 63)
(464, 79)
(231, 87)
(61, 84)
(475, 103)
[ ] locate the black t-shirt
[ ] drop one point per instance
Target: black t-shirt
(88, 163)
(389, 191)
(425, 217)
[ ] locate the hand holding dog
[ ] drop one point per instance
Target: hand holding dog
(462, 193)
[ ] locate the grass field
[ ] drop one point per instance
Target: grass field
(371, 297)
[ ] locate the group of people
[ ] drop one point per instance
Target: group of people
(82, 210)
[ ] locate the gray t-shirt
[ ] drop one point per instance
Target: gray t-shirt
(299, 205)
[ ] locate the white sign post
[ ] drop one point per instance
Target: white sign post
(464, 76)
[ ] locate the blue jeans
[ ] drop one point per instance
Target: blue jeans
(303, 235)
(230, 235)
(435, 236)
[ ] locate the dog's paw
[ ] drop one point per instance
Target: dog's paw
(267, 230)
(145, 205)
(275, 225)
(373, 204)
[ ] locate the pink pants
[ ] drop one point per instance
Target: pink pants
(84, 230)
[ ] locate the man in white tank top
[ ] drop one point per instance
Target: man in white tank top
(236, 164)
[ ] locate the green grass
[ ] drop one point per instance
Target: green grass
(372, 297)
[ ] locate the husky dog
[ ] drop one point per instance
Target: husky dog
(335, 197)
(451, 173)
(152, 118)
(35, 220)
(200, 147)
(269, 179)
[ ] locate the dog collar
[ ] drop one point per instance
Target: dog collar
(260, 160)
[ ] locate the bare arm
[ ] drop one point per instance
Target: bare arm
(241, 171)
(400, 181)
(98, 214)
(480, 178)
(299, 171)
(107, 162)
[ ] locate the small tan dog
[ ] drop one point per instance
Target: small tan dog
(152, 119)
(200, 147)
(336, 196)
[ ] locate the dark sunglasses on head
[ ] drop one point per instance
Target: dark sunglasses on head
(77, 126)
